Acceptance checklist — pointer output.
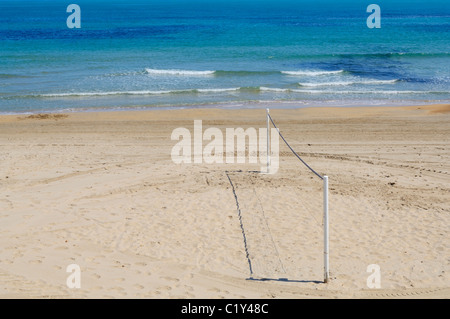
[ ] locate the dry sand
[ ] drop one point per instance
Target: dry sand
(100, 190)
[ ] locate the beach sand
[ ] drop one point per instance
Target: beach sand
(100, 190)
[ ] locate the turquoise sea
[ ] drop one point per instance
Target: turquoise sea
(192, 53)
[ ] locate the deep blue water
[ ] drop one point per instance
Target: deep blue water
(135, 54)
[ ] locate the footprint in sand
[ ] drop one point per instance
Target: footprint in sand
(18, 255)
(189, 288)
(214, 290)
(137, 286)
(188, 296)
(171, 279)
(118, 290)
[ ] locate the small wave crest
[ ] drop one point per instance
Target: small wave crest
(311, 73)
(235, 73)
(348, 83)
(380, 92)
(251, 90)
(143, 92)
(178, 72)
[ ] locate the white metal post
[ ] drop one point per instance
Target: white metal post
(268, 143)
(326, 229)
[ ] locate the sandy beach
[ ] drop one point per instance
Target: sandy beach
(100, 190)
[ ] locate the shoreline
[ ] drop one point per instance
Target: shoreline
(345, 110)
(233, 105)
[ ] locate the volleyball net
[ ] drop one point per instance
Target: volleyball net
(324, 179)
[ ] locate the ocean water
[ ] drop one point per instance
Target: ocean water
(181, 53)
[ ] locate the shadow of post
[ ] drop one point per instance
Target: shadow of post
(285, 280)
(245, 239)
(247, 255)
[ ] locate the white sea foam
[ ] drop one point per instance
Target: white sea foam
(263, 88)
(368, 92)
(179, 72)
(237, 89)
(311, 73)
(343, 83)
(105, 93)
(280, 90)
(143, 92)
(217, 90)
